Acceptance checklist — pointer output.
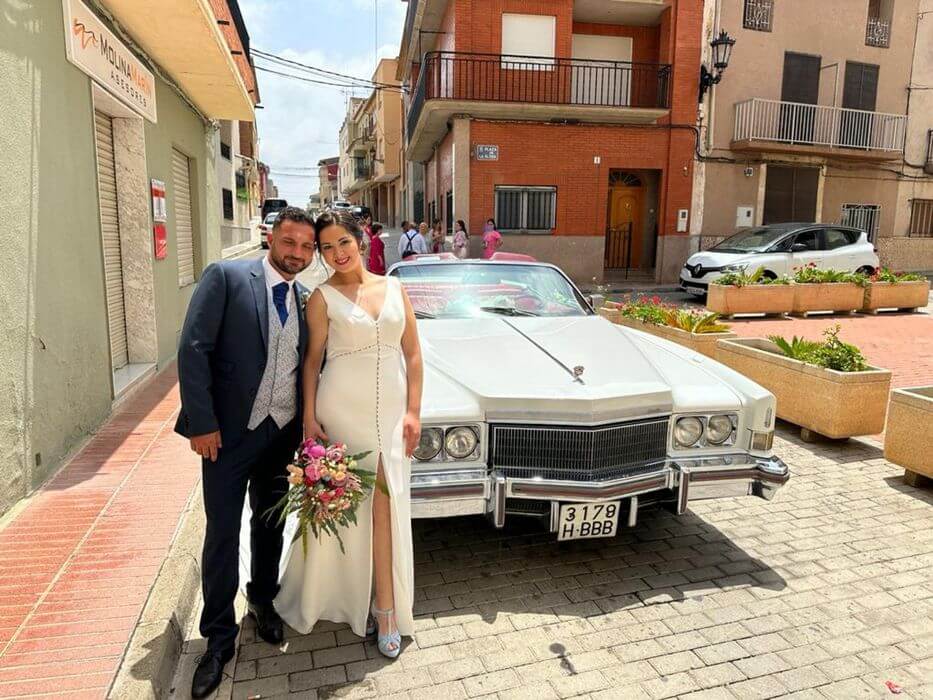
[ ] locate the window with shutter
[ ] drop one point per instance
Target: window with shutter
(184, 234)
(529, 35)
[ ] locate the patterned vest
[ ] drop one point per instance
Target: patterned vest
(277, 394)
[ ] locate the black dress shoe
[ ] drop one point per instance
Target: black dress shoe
(210, 672)
(268, 623)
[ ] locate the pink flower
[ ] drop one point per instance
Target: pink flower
(311, 474)
(335, 452)
(317, 451)
(338, 492)
(325, 496)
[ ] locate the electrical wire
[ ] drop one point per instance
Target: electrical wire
(323, 82)
(362, 82)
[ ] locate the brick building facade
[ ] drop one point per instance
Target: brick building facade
(568, 121)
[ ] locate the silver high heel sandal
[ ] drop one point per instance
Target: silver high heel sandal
(386, 641)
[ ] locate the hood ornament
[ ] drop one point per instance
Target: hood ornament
(578, 371)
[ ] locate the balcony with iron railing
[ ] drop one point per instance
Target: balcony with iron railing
(794, 127)
(496, 86)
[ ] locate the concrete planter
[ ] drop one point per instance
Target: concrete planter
(703, 343)
(908, 441)
(823, 401)
(903, 296)
(765, 299)
(609, 313)
(828, 296)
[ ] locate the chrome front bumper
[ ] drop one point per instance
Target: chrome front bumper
(475, 491)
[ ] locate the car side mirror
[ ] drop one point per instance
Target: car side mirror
(799, 248)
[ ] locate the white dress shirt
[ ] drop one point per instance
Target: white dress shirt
(273, 277)
(418, 244)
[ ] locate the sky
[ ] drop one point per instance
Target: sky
(300, 122)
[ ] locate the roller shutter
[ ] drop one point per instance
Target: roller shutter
(181, 178)
(110, 235)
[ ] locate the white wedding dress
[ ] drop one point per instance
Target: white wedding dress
(362, 397)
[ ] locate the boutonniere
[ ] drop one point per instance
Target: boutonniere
(303, 296)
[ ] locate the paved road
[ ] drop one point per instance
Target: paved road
(826, 592)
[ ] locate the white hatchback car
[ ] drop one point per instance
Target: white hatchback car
(779, 249)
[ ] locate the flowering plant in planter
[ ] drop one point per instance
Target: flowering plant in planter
(744, 279)
(883, 274)
(811, 274)
(652, 310)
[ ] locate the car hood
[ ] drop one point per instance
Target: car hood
(710, 258)
(521, 369)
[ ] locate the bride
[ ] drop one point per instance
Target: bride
(369, 397)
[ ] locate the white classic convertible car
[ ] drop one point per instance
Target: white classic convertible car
(535, 405)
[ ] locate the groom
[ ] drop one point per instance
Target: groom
(239, 369)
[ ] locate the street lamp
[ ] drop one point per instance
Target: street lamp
(722, 51)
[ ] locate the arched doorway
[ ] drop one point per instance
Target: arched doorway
(624, 220)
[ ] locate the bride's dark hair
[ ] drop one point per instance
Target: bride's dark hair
(342, 219)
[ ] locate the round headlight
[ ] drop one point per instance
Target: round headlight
(432, 439)
(688, 431)
(718, 429)
(460, 442)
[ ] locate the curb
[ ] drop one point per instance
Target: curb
(148, 665)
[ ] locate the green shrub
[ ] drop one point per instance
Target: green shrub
(831, 352)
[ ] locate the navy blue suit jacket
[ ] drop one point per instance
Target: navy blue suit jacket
(222, 352)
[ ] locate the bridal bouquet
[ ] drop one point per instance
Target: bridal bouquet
(326, 488)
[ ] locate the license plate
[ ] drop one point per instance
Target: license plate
(579, 521)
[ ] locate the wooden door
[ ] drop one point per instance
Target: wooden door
(801, 88)
(626, 203)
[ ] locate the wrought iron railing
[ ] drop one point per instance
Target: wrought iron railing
(758, 15)
(449, 75)
(818, 125)
(878, 32)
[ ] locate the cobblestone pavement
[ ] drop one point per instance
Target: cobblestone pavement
(827, 591)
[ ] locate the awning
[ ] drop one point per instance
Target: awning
(182, 36)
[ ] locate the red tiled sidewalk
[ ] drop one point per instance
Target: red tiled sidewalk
(902, 343)
(77, 564)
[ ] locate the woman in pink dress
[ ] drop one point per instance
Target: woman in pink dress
(492, 239)
(377, 250)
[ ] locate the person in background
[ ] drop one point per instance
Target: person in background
(492, 239)
(412, 242)
(461, 240)
(437, 237)
(366, 224)
(377, 249)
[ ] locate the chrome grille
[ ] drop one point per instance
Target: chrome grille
(579, 454)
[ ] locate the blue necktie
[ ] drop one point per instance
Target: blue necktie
(279, 296)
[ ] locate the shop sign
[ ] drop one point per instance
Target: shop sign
(157, 188)
(486, 152)
(98, 52)
(160, 241)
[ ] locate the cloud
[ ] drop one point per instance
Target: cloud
(300, 122)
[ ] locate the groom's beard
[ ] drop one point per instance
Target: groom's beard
(289, 264)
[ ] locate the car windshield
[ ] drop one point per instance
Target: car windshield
(468, 290)
(270, 218)
(751, 240)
